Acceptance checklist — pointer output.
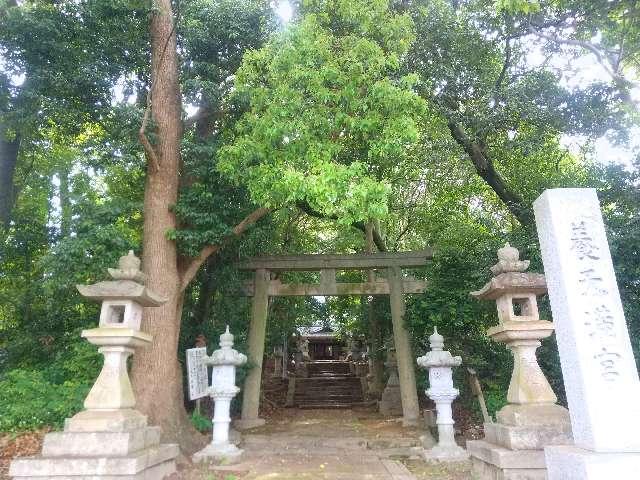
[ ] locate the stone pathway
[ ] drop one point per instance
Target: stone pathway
(355, 444)
(326, 444)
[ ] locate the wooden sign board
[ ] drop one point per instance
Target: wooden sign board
(197, 373)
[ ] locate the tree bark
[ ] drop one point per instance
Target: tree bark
(156, 372)
(8, 160)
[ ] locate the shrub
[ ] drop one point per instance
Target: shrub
(28, 400)
(200, 422)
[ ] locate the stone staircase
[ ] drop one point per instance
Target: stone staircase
(330, 385)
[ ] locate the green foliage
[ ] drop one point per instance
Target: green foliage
(29, 400)
(495, 396)
(518, 6)
(200, 422)
(328, 113)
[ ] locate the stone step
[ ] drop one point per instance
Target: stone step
(324, 393)
(99, 444)
(327, 378)
(328, 391)
(330, 405)
(91, 467)
(341, 391)
(308, 442)
(330, 367)
(327, 394)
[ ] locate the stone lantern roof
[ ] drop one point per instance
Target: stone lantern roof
(226, 355)
(438, 357)
(510, 277)
(128, 284)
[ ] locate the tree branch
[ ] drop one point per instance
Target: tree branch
(195, 263)
(377, 238)
(505, 66)
(485, 168)
(599, 54)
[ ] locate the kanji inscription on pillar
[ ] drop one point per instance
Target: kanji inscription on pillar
(598, 367)
(197, 375)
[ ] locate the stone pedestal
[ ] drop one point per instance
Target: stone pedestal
(391, 401)
(109, 440)
(513, 446)
(598, 366)
(574, 463)
(221, 449)
(100, 445)
(440, 364)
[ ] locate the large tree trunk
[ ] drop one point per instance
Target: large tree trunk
(156, 373)
(8, 159)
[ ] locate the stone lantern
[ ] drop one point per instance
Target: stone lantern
(532, 419)
(223, 388)
(440, 364)
(109, 438)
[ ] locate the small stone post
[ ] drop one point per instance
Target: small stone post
(391, 401)
(109, 438)
(277, 362)
(513, 446)
(223, 388)
(440, 364)
(598, 367)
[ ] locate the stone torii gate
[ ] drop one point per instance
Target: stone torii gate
(394, 285)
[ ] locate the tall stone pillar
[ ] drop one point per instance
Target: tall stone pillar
(598, 366)
(513, 446)
(257, 331)
(404, 355)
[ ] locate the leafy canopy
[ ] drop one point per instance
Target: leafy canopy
(328, 112)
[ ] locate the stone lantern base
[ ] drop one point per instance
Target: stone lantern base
(109, 445)
(390, 404)
(513, 447)
(446, 453)
(226, 453)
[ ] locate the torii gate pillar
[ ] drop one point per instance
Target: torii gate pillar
(404, 355)
(257, 332)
